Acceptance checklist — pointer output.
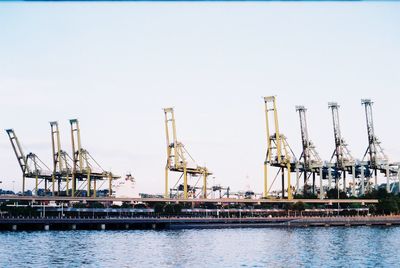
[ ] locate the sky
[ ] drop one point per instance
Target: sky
(114, 66)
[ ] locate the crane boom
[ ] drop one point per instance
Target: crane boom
(341, 153)
(22, 161)
(279, 153)
(17, 149)
(377, 157)
(178, 156)
(311, 160)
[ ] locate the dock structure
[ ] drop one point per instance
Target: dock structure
(70, 173)
(180, 161)
(78, 174)
(184, 200)
(342, 159)
(333, 173)
(279, 153)
(309, 160)
(46, 224)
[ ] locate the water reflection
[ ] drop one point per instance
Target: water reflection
(297, 247)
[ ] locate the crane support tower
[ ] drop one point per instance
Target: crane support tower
(82, 169)
(279, 154)
(31, 165)
(309, 158)
(375, 155)
(344, 161)
(85, 168)
(178, 161)
(62, 169)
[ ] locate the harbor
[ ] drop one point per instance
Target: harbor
(173, 223)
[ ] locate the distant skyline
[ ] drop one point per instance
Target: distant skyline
(114, 67)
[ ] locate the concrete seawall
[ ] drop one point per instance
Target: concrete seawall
(15, 224)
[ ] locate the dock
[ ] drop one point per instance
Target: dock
(161, 223)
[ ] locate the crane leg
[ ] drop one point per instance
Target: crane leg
(283, 182)
(321, 187)
(290, 197)
(109, 185)
(353, 175)
(36, 184)
(73, 185)
(23, 185)
(67, 188)
(166, 183)
(94, 188)
(204, 185)
(53, 182)
(265, 181)
(88, 184)
(344, 181)
(59, 187)
(313, 183)
(185, 186)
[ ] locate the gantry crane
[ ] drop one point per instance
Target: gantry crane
(62, 169)
(84, 167)
(310, 158)
(81, 167)
(219, 189)
(279, 154)
(344, 161)
(31, 165)
(377, 159)
(177, 159)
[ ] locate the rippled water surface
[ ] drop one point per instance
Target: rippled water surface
(301, 247)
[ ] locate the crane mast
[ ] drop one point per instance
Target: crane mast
(344, 161)
(279, 154)
(377, 157)
(61, 167)
(177, 159)
(84, 167)
(22, 161)
(312, 162)
(30, 164)
(371, 133)
(76, 153)
(337, 134)
(305, 141)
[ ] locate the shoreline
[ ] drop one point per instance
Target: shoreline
(177, 223)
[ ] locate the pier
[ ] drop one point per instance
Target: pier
(158, 223)
(182, 200)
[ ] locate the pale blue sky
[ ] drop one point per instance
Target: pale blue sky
(116, 65)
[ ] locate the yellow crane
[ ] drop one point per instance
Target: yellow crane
(178, 156)
(31, 165)
(279, 154)
(62, 170)
(85, 168)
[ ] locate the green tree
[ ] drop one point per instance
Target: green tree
(158, 208)
(298, 206)
(140, 205)
(333, 194)
(387, 205)
(169, 209)
(96, 205)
